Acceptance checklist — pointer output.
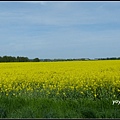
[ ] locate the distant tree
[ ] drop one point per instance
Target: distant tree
(36, 60)
(47, 60)
(5, 59)
(0, 59)
(22, 59)
(118, 58)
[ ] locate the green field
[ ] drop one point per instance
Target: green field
(76, 89)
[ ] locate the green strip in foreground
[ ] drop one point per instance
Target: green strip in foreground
(54, 108)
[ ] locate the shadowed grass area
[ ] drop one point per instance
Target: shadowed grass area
(18, 107)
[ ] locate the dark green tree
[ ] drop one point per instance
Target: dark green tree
(36, 60)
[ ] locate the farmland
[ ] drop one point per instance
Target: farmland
(73, 89)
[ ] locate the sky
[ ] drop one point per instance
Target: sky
(54, 30)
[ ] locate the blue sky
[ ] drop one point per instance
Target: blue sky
(60, 29)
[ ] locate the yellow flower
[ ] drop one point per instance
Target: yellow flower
(64, 94)
(95, 95)
(80, 76)
(81, 92)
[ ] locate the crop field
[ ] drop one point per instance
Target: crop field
(31, 88)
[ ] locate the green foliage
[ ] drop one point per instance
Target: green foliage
(26, 59)
(36, 60)
(3, 112)
(55, 108)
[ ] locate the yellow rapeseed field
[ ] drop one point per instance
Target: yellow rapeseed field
(73, 79)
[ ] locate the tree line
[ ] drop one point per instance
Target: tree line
(26, 59)
(17, 59)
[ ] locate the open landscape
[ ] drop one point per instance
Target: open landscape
(59, 59)
(70, 89)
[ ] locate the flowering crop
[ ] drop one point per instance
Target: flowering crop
(75, 79)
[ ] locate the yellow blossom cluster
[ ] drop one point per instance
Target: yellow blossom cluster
(73, 79)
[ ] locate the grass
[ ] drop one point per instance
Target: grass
(18, 107)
